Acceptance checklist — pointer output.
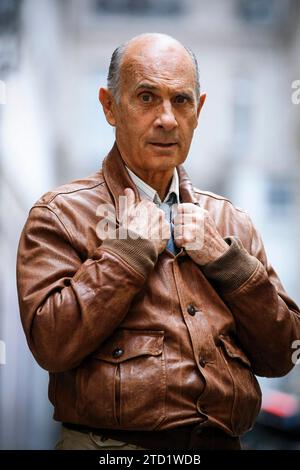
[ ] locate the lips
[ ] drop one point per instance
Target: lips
(163, 144)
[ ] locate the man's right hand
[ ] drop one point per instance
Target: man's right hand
(146, 220)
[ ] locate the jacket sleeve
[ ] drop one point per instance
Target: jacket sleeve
(70, 306)
(267, 320)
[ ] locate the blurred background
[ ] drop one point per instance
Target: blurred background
(54, 55)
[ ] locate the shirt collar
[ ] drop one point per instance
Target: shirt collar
(147, 192)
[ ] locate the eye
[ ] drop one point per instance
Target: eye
(181, 99)
(146, 97)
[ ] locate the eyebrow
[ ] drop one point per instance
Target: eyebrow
(148, 86)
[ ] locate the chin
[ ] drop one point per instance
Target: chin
(163, 165)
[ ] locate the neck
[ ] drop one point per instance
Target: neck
(160, 181)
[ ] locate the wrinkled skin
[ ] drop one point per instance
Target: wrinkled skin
(155, 117)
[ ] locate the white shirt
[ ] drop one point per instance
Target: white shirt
(148, 192)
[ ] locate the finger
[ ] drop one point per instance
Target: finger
(184, 219)
(129, 193)
(178, 242)
(178, 230)
(177, 220)
(126, 205)
(174, 211)
(186, 208)
(166, 230)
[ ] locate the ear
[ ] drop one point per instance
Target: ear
(201, 103)
(107, 100)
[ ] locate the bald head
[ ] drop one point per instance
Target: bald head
(153, 103)
(157, 49)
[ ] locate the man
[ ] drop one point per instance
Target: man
(151, 303)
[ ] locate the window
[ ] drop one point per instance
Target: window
(262, 12)
(137, 7)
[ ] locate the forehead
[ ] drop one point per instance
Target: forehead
(169, 67)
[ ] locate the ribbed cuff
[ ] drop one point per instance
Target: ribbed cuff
(137, 252)
(232, 269)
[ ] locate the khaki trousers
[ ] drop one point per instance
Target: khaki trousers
(76, 440)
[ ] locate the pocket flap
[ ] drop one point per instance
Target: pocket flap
(233, 350)
(126, 344)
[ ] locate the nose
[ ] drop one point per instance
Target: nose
(166, 118)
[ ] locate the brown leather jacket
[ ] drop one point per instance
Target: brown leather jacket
(140, 342)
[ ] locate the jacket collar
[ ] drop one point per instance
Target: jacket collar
(117, 179)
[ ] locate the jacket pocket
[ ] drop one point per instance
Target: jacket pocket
(246, 397)
(123, 384)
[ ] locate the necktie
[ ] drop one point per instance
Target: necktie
(167, 208)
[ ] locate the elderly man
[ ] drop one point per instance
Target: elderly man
(150, 302)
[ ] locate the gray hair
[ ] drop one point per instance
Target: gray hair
(113, 77)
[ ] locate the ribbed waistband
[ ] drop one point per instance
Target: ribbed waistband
(184, 437)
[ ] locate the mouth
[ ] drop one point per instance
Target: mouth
(164, 144)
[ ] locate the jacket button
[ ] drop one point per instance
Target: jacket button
(202, 429)
(202, 361)
(191, 310)
(118, 352)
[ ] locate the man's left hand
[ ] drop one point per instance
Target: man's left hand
(195, 231)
